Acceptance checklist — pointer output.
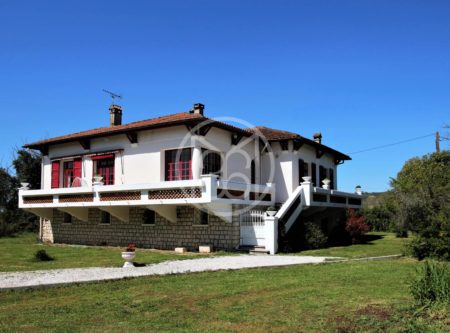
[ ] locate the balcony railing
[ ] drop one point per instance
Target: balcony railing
(197, 191)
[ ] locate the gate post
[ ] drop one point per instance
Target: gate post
(271, 226)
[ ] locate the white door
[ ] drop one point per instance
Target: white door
(252, 228)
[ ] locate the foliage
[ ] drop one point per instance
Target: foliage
(314, 237)
(131, 248)
(356, 226)
(380, 211)
(432, 284)
(422, 189)
(27, 165)
(42, 255)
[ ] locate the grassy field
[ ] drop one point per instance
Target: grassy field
(339, 297)
(18, 255)
(377, 244)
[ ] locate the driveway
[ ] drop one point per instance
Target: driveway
(12, 280)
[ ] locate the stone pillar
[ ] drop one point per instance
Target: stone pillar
(271, 226)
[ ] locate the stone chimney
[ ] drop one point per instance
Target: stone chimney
(115, 115)
(317, 137)
(197, 108)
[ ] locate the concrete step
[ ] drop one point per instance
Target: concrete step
(256, 250)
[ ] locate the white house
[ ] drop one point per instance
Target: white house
(182, 180)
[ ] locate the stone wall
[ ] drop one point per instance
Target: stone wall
(163, 234)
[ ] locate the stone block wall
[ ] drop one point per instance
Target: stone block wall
(163, 234)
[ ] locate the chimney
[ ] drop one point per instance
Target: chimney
(197, 108)
(115, 115)
(317, 137)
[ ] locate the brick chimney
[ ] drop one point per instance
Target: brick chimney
(197, 108)
(317, 137)
(115, 115)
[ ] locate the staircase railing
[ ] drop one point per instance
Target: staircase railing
(291, 209)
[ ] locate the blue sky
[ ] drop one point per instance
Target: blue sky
(364, 73)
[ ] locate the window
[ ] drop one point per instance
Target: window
(204, 218)
(253, 172)
(314, 174)
(104, 166)
(149, 217)
(178, 164)
(331, 173)
(212, 162)
(105, 218)
(71, 173)
(322, 174)
(67, 218)
(302, 170)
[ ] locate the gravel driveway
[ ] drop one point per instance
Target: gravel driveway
(11, 280)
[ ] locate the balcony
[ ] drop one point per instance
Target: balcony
(209, 191)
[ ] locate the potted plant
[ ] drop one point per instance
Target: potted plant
(271, 211)
(326, 183)
(128, 255)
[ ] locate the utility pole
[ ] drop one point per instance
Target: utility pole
(438, 139)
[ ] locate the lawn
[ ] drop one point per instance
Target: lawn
(18, 255)
(377, 244)
(338, 297)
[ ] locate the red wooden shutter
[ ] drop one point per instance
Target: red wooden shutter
(77, 168)
(55, 174)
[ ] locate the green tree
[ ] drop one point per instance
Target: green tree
(422, 189)
(27, 165)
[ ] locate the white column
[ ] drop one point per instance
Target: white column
(271, 226)
(257, 162)
(197, 163)
(307, 191)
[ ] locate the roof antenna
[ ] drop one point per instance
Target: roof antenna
(113, 95)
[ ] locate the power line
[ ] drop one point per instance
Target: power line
(393, 144)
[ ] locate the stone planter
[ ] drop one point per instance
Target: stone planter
(128, 257)
(306, 179)
(326, 183)
(97, 180)
(271, 212)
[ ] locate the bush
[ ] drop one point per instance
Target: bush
(380, 218)
(314, 237)
(432, 284)
(42, 255)
(356, 226)
(430, 247)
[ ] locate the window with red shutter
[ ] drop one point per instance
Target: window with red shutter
(55, 174)
(178, 164)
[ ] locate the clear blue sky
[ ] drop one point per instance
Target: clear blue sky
(364, 73)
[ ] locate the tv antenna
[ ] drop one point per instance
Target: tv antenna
(113, 95)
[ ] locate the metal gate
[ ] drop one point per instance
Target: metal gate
(252, 228)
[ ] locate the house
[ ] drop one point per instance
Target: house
(183, 180)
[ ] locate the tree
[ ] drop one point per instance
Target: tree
(422, 189)
(27, 165)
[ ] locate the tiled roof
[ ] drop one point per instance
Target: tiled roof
(271, 134)
(164, 121)
(182, 118)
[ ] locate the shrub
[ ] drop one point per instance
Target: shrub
(432, 285)
(430, 247)
(356, 226)
(42, 255)
(314, 237)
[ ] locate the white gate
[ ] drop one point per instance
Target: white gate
(252, 228)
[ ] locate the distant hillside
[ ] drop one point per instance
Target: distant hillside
(373, 199)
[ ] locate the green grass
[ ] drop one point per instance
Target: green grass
(378, 244)
(339, 297)
(18, 255)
